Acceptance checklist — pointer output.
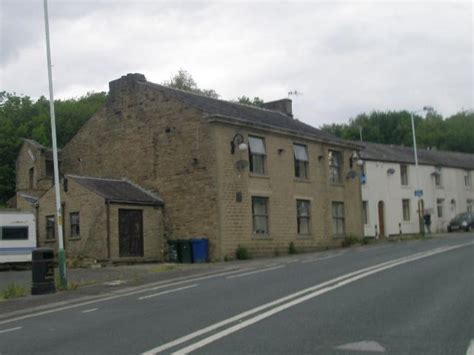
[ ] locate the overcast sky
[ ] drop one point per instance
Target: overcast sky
(344, 57)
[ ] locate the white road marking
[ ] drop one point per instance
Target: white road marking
(321, 258)
(321, 288)
(365, 346)
(470, 349)
(10, 330)
(165, 292)
(90, 310)
(256, 271)
(121, 293)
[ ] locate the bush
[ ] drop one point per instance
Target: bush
(367, 240)
(349, 240)
(292, 248)
(242, 253)
(12, 291)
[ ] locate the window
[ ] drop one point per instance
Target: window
(406, 209)
(257, 155)
(14, 233)
(260, 215)
(438, 177)
(467, 179)
(335, 165)
(470, 204)
(31, 175)
(303, 216)
(301, 161)
(50, 227)
(338, 220)
(365, 211)
(439, 207)
(49, 168)
(74, 222)
(404, 174)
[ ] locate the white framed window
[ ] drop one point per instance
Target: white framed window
(404, 174)
(303, 216)
(470, 206)
(406, 209)
(338, 219)
(467, 179)
(335, 166)
(257, 155)
(260, 215)
(300, 152)
(440, 207)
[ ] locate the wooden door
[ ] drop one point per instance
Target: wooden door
(130, 233)
(381, 219)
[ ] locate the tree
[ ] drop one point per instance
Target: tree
(184, 81)
(21, 117)
(247, 101)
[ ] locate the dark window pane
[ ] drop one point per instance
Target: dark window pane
(14, 233)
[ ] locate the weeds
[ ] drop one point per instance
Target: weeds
(292, 248)
(12, 291)
(242, 253)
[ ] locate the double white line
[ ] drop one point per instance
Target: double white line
(286, 302)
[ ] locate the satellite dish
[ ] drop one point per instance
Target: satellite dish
(241, 164)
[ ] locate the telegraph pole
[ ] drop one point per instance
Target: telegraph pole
(59, 218)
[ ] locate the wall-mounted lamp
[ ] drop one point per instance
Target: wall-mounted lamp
(390, 171)
(237, 141)
(320, 157)
(355, 157)
(281, 151)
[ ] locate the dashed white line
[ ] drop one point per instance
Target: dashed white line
(256, 271)
(165, 292)
(90, 310)
(10, 330)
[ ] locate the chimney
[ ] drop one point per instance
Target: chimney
(123, 91)
(284, 106)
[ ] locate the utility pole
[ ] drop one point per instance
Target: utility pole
(360, 133)
(59, 218)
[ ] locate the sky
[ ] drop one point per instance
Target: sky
(344, 58)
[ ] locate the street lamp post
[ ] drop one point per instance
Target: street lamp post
(59, 218)
(418, 191)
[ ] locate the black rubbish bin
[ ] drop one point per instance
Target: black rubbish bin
(185, 252)
(42, 271)
(173, 251)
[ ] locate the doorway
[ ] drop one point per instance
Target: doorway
(381, 209)
(130, 233)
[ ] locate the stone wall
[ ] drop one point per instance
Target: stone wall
(283, 189)
(158, 143)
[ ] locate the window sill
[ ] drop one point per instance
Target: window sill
(406, 187)
(306, 181)
(261, 237)
(259, 176)
(50, 241)
(305, 236)
(74, 238)
(336, 184)
(338, 236)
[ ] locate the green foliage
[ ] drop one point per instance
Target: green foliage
(256, 101)
(12, 291)
(184, 81)
(242, 253)
(292, 248)
(349, 240)
(455, 133)
(21, 117)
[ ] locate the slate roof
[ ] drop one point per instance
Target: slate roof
(48, 152)
(400, 154)
(30, 199)
(118, 191)
(232, 111)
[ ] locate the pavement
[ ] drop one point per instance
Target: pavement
(411, 297)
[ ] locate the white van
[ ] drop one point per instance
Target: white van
(17, 236)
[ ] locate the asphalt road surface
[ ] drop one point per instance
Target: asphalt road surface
(396, 298)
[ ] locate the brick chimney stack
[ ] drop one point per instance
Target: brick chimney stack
(283, 106)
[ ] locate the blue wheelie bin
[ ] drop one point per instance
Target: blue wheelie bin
(200, 250)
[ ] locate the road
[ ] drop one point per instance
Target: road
(397, 298)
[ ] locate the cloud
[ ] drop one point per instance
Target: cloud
(345, 58)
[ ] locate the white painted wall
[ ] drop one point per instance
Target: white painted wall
(381, 186)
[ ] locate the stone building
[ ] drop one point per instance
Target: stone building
(232, 173)
(104, 219)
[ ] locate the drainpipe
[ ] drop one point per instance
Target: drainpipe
(107, 202)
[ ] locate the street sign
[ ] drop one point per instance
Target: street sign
(418, 193)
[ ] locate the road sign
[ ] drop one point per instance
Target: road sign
(418, 193)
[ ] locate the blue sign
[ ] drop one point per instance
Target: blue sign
(418, 193)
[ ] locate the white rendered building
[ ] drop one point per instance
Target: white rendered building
(391, 178)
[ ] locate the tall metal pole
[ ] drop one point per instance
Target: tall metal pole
(59, 218)
(417, 187)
